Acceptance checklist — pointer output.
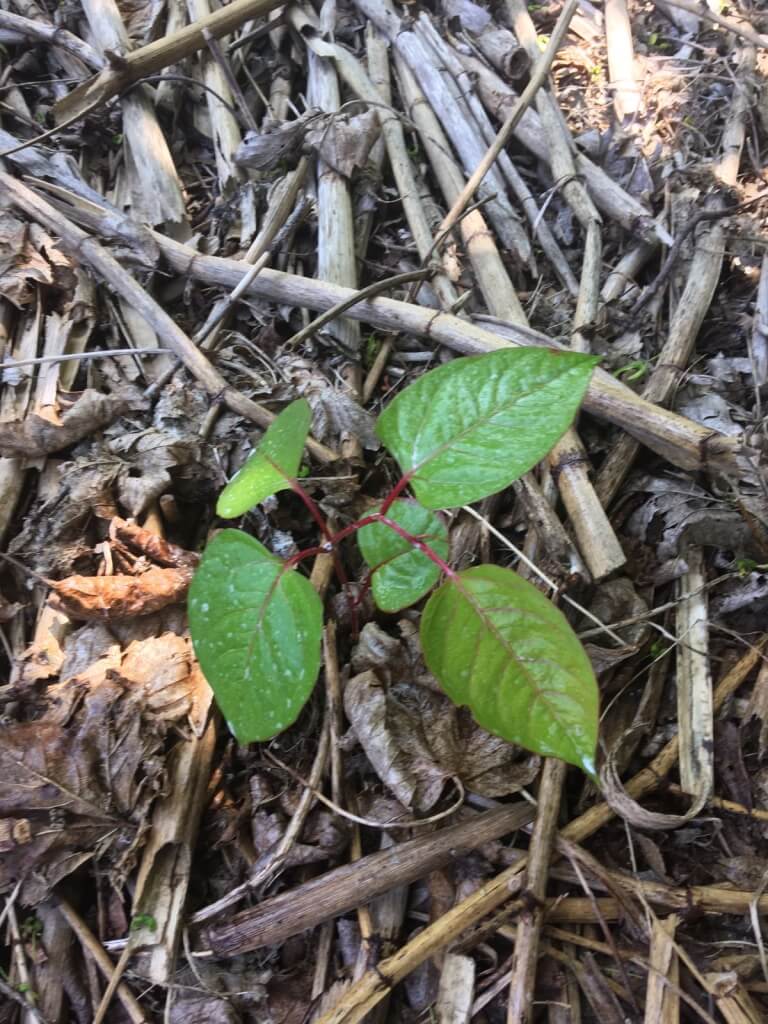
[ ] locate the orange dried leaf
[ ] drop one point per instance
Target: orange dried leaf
(120, 597)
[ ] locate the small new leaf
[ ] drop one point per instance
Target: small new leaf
(256, 628)
(471, 427)
(496, 644)
(401, 574)
(273, 466)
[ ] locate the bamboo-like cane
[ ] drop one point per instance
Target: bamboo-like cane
(155, 56)
(156, 188)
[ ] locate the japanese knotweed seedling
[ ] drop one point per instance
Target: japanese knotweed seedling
(496, 644)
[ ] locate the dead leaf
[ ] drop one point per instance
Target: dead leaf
(159, 670)
(262, 151)
(322, 837)
(390, 738)
(114, 597)
(203, 1010)
(28, 256)
(148, 543)
(344, 143)
(84, 788)
(416, 740)
(757, 707)
(335, 413)
(36, 436)
(53, 537)
(679, 511)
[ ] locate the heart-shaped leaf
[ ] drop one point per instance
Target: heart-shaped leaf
(256, 628)
(273, 466)
(402, 574)
(473, 426)
(498, 645)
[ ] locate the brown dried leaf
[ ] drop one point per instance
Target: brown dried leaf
(322, 836)
(28, 256)
(622, 804)
(115, 597)
(154, 547)
(392, 742)
(53, 537)
(416, 740)
(159, 669)
(344, 143)
(203, 1010)
(37, 436)
(264, 150)
(758, 707)
(84, 787)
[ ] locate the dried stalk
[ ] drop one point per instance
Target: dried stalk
(462, 134)
(12, 471)
(455, 995)
(492, 277)
(282, 203)
(155, 56)
(759, 350)
(684, 443)
(362, 86)
(375, 985)
(537, 82)
(694, 680)
(169, 94)
(336, 260)
(93, 948)
(499, 100)
(622, 276)
(738, 28)
(225, 130)
(497, 44)
(42, 31)
(156, 192)
(76, 240)
(477, 122)
(596, 538)
(352, 885)
(662, 1004)
(523, 974)
(377, 64)
(621, 59)
(702, 280)
(164, 873)
(597, 541)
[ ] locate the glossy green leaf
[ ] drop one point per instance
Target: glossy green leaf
(401, 574)
(496, 644)
(256, 629)
(471, 427)
(273, 466)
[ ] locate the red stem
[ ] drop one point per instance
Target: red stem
(399, 487)
(378, 517)
(317, 515)
(333, 539)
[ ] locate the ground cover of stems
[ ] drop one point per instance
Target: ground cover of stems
(341, 236)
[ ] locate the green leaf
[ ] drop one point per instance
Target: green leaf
(273, 466)
(256, 628)
(402, 574)
(473, 426)
(498, 645)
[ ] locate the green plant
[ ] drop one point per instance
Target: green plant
(459, 433)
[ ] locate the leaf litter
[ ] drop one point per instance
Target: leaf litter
(111, 468)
